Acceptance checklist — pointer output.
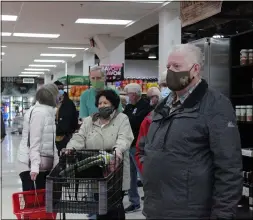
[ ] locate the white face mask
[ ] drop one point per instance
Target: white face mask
(127, 100)
(165, 91)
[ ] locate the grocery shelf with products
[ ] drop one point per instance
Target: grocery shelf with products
(75, 85)
(116, 80)
(144, 82)
(241, 91)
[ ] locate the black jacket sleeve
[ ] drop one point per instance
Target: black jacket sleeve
(227, 158)
(67, 120)
(136, 119)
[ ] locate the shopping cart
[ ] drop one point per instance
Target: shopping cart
(31, 205)
(17, 125)
(85, 182)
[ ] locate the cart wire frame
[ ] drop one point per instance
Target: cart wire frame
(96, 190)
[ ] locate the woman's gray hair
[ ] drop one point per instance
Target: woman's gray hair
(47, 95)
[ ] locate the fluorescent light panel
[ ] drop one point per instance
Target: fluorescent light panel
(152, 57)
(41, 65)
(36, 35)
(69, 48)
(57, 55)
(29, 75)
(6, 34)
(35, 69)
(102, 21)
(32, 72)
(2, 53)
(3, 46)
(49, 61)
(9, 17)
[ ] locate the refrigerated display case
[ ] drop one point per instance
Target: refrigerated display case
(216, 68)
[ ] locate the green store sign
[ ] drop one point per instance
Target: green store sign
(75, 80)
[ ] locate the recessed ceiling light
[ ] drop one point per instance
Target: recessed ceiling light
(41, 65)
(9, 17)
(29, 75)
(3, 46)
(35, 69)
(152, 56)
(36, 35)
(32, 72)
(49, 61)
(102, 21)
(6, 34)
(2, 53)
(69, 48)
(57, 55)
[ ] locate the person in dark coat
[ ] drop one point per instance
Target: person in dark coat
(192, 163)
(66, 118)
(136, 110)
(3, 132)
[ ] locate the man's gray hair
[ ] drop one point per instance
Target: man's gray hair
(192, 53)
(98, 68)
(133, 88)
(47, 94)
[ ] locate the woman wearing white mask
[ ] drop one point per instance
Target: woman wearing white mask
(165, 91)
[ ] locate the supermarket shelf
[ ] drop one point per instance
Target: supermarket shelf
(245, 122)
(242, 66)
(247, 152)
(123, 93)
(242, 96)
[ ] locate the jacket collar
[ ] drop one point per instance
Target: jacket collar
(49, 108)
(95, 117)
(194, 98)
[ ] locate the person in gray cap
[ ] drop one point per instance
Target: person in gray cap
(37, 153)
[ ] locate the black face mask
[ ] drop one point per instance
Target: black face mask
(177, 81)
(105, 112)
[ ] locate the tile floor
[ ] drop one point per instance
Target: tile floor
(11, 182)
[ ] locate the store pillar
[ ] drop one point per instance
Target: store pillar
(88, 60)
(169, 32)
(47, 78)
(110, 50)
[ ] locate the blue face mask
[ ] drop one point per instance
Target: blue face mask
(165, 91)
(61, 92)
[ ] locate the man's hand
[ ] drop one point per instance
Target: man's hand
(33, 176)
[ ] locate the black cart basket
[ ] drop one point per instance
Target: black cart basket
(85, 181)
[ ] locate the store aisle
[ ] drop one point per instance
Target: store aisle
(11, 182)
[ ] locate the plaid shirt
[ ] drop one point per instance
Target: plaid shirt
(172, 101)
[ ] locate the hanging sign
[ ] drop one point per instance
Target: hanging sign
(113, 72)
(74, 80)
(195, 11)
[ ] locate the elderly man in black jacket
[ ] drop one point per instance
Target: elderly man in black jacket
(192, 163)
(66, 118)
(136, 110)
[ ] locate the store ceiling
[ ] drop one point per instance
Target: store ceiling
(235, 17)
(59, 18)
